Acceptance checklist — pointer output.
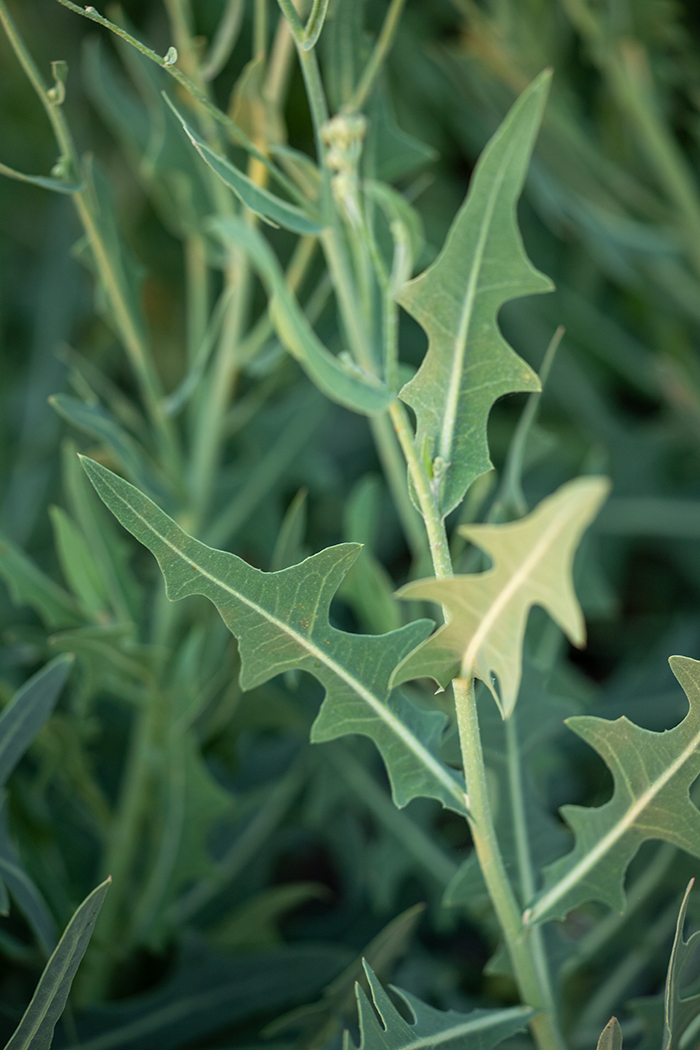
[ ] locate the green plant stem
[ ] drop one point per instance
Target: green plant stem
(127, 326)
(394, 468)
(532, 982)
(197, 294)
(381, 50)
(434, 524)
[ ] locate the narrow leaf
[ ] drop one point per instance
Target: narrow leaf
(30, 707)
(44, 181)
(382, 1027)
(98, 423)
(281, 622)
(482, 265)
(532, 562)
(611, 1036)
(35, 1030)
(255, 197)
(343, 383)
(24, 892)
(652, 774)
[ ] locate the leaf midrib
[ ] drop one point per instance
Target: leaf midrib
(465, 1028)
(515, 582)
(465, 319)
(377, 706)
(609, 840)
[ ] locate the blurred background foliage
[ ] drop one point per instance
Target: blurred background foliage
(311, 863)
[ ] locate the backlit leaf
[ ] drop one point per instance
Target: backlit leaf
(281, 622)
(532, 560)
(456, 300)
(652, 774)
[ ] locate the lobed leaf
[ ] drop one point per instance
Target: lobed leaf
(652, 774)
(532, 562)
(456, 300)
(383, 1027)
(35, 1030)
(281, 622)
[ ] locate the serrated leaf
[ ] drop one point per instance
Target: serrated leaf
(456, 300)
(532, 561)
(281, 622)
(652, 774)
(382, 1027)
(255, 197)
(35, 1030)
(345, 384)
(680, 1012)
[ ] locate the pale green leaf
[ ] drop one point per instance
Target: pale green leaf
(383, 1027)
(532, 561)
(611, 1036)
(342, 382)
(281, 622)
(680, 1012)
(35, 1030)
(255, 197)
(652, 774)
(482, 265)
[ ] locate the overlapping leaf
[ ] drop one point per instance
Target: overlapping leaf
(255, 197)
(652, 774)
(482, 265)
(281, 622)
(532, 560)
(383, 1027)
(341, 381)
